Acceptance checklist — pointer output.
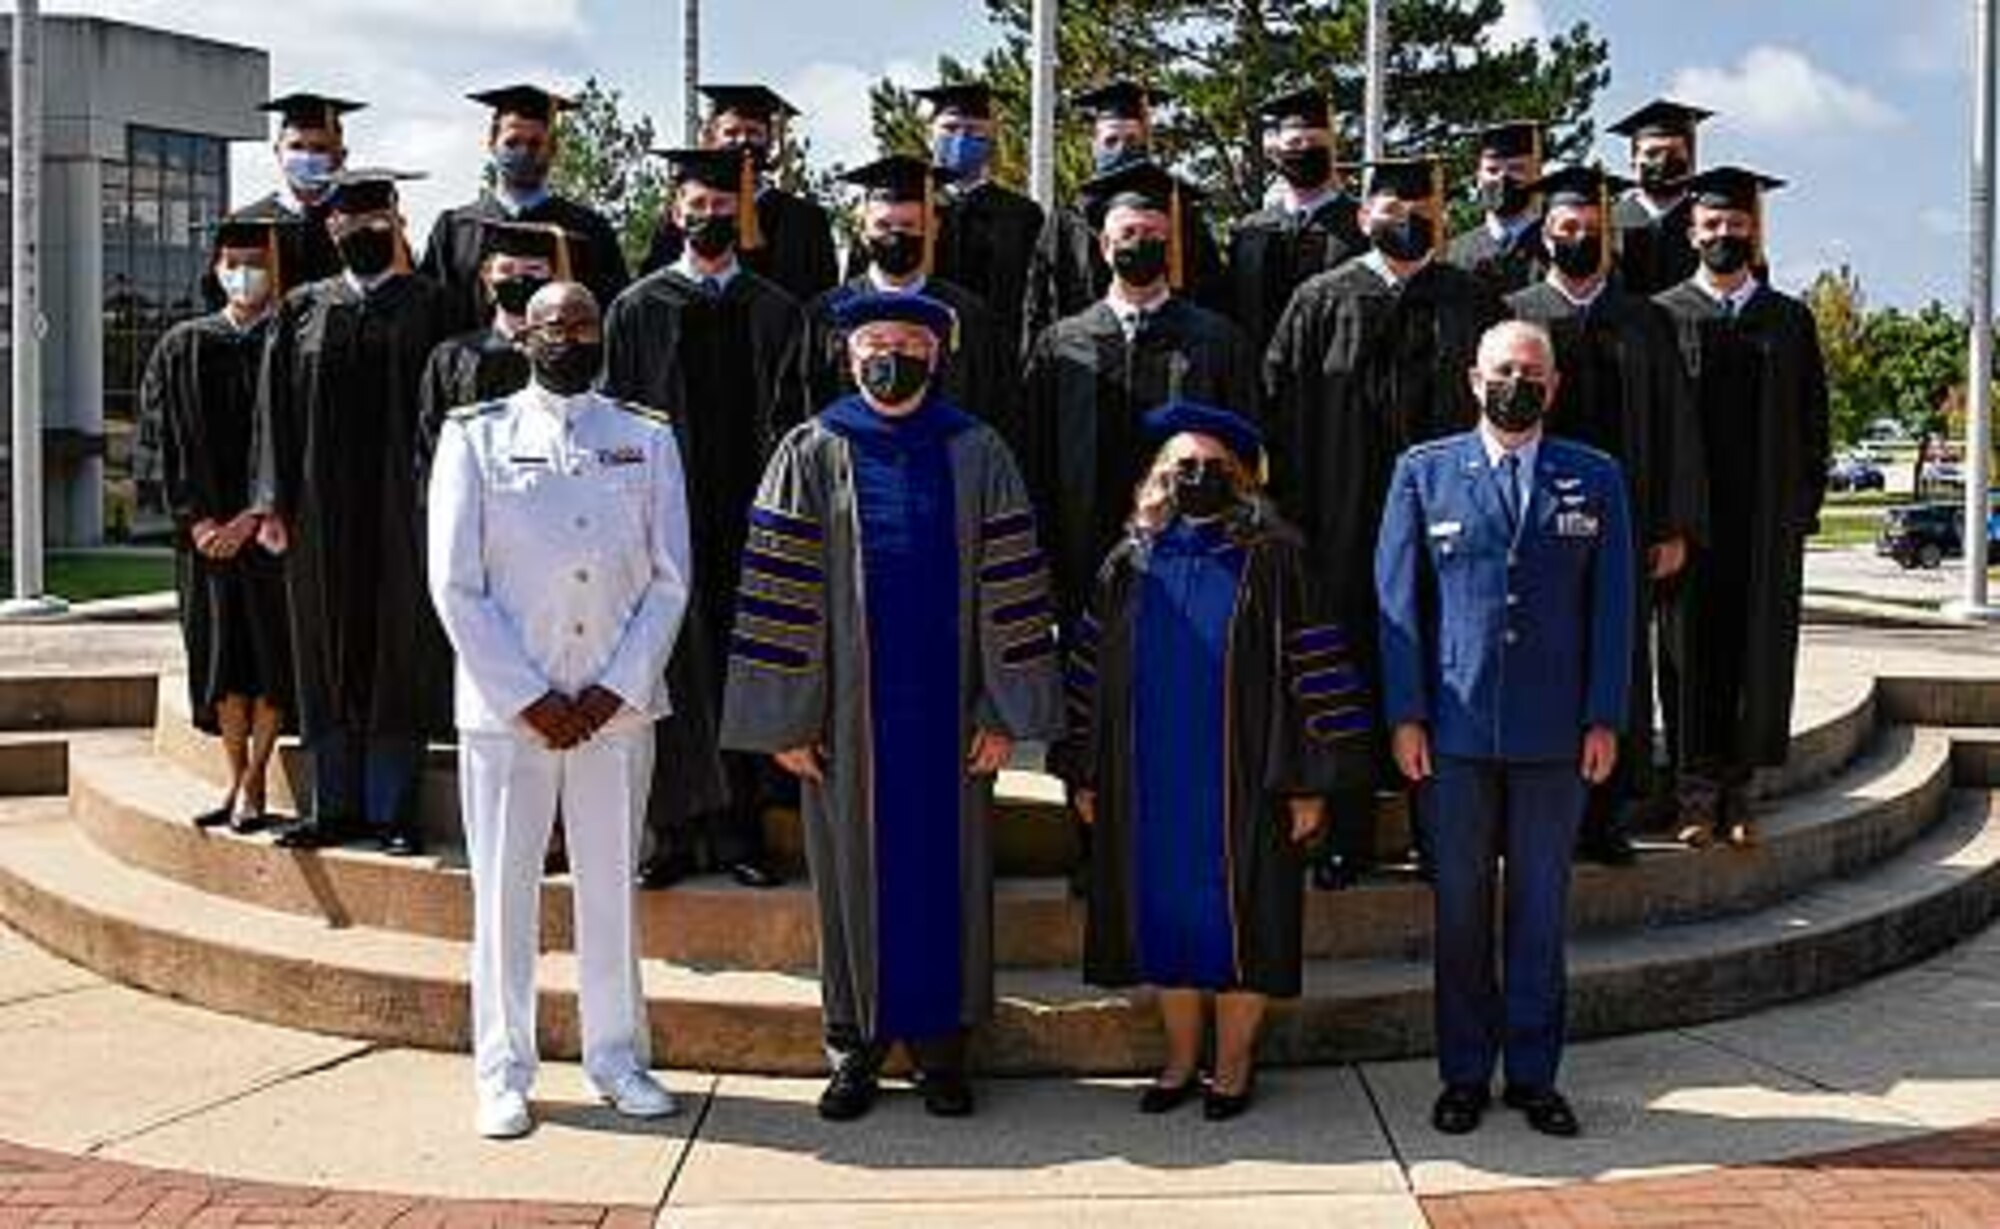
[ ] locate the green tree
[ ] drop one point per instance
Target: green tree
(1917, 362)
(1840, 311)
(605, 159)
(1218, 58)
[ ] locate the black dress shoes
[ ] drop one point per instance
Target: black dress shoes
(1546, 1111)
(849, 1094)
(1609, 849)
(1166, 1098)
(665, 871)
(217, 818)
(1460, 1108)
(1334, 873)
(947, 1095)
(400, 842)
(313, 833)
(1219, 1106)
(752, 873)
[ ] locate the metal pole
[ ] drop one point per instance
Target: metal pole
(1042, 125)
(1979, 364)
(1378, 70)
(25, 321)
(691, 73)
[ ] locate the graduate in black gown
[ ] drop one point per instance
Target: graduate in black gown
(311, 148)
(1623, 391)
(899, 239)
(1211, 713)
(721, 350)
(338, 437)
(1761, 398)
(1366, 361)
(1309, 228)
(987, 235)
(791, 243)
(200, 387)
(485, 364)
(1505, 249)
(1652, 219)
(521, 144)
(1068, 272)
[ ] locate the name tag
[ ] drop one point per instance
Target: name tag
(1568, 484)
(1446, 529)
(527, 460)
(1576, 525)
(628, 455)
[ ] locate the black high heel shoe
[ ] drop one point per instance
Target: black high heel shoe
(1166, 1098)
(1217, 1106)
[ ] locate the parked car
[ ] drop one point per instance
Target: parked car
(1887, 431)
(1941, 473)
(1921, 535)
(1851, 473)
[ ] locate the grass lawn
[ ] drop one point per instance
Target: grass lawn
(85, 576)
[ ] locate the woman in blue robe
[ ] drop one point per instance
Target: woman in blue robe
(1210, 715)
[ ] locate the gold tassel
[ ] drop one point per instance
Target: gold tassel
(1604, 227)
(930, 239)
(1437, 205)
(272, 248)
(561, 267)
(1176, 264)
(748, 236)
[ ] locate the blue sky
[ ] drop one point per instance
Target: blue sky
(1862, 104)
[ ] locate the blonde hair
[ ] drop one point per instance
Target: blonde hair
(1153, 507)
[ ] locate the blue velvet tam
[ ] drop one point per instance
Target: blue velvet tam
(1233, 431)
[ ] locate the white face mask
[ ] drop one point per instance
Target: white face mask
(246, 285)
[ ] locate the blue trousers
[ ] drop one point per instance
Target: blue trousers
(357, 776)
(1480, 812)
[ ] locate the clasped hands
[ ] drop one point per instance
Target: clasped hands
(564, 722)
(989, 754)
(215, 539)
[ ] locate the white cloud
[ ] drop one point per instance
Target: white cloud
(1521, 21)
(1779, 92)
(1935, 39)
(834, 99)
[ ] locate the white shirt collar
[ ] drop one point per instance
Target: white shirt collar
(559, 407)
(1562, 288)
(1129, 312)
(516, 205)
(1374, 259)
(1495, 450)
(1310, 203)
(1734, 300)
(367, 285)
(1506, 230)
(1653, 207)
(685, 267)
(914, 286)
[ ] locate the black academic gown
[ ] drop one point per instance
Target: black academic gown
(200, 388)
(1761, 401)
(1654, 254)
(979, 376)
(796, 253)
(1624, 392)
(1505, 265)
(339, 439)
(1297, 722)
(1083, 447)
(1273, 250)
(986, 239)
(1356, 372)
(1068, 272)
(729, 370)
(453, 255)
(465, 370)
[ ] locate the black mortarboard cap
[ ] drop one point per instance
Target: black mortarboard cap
(1728, 187)
(1122, 99)
(896, 179)
(251, 226)
(528, 240)
(1521, 138)
(972, 99)
(721, 169)
(529, 101)
(751, 101)
(1576, 184)
(366, 189)
(1307, 106)
(1661, 117)
(1409, 179)
(1144, 184)
(304, 109)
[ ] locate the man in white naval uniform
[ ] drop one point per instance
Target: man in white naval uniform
(559, 566)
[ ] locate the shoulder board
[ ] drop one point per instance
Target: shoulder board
(643, 411)
(1428, 447)
(478, 409)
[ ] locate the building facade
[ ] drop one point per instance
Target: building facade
(136, 126)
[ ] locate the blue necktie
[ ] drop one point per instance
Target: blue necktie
(1510, 493)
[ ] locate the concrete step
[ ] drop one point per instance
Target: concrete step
(77, 701)
(399, 988)
(136, 806)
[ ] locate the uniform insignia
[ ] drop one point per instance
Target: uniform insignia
(1568, 484)
(1446, 529)
(527, 460)
(1576, 525)
(630, 454)
(478, 409)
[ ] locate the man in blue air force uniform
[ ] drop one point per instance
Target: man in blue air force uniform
(1504, 571)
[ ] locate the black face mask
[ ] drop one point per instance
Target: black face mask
(1579, 257)
(367, 253)
(512, 293)
(1305, 168)
(565, 368)
(1107, 160)
(898, 253)
(713, 235)
(1503, 197)
(1655, 175)
(893, 378)
(1725, 254)
(1202, 489)
(1409, 238)
(1515, 405)
(1140, 263)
